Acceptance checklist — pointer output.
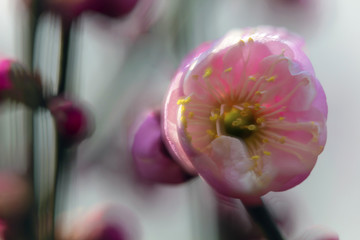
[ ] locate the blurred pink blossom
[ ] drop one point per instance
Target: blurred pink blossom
(318, 233)
(104, 223)
(152, 160)
(15, 195)
(71, 9)
(5, 68)
(247, 113)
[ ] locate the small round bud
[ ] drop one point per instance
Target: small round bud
(71, 120)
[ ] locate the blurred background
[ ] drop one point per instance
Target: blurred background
(121, 67)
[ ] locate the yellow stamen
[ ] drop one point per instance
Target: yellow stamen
(282, 140)
(250, 40)
(182, 109)
(191, 115)
(208, 72)
(255, 157)
(252, 127)
(214, 117)
(228, 69)
(267, 153)
(281, 118)
(260, 120)
(211, 133)
(265, 140)
(271, 79)
(252, 78)
(183, 121)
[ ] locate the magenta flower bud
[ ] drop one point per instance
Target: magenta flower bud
(152, 160)
(71, 9)
(113, 8)
(71, 120)
(17, 84)
(247, 113)
(5, 69)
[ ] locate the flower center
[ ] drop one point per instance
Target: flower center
(239, 123)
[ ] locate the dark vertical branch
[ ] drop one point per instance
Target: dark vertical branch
(30, 220)
(263, 218)
(61, 166)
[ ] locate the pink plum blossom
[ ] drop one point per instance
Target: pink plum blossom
(152, 161)
(247, 113)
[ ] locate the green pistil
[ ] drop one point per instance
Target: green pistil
(239, 123)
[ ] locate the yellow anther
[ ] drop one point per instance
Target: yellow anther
(187, 100)
(267, 153)
(252, 127)
(183, 121)
(195, 77)
(255, 157)
(246, 104)
(281, 118)
(244, 113)
(271, 79)
(237, 122)
(250, 40)
(265, 140)
(183, 101)
(257, 106)
(208, 72)
(258, 93)
(252, 78)
(191, 115)
(260, 120)
(182, 109)
(282, 140)
(228, 69)
(211, 133)
(241, 42)
(214, 117)
(180, 101)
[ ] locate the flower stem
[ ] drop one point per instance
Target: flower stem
(263, 218)
(61, 148)
(30, 219)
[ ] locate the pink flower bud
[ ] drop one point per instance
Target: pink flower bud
(5, 68)
(247, 113)
(71, 9)
(71, 120)
(17, 84)
(152, 160)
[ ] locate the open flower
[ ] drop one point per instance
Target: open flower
(247, 113)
